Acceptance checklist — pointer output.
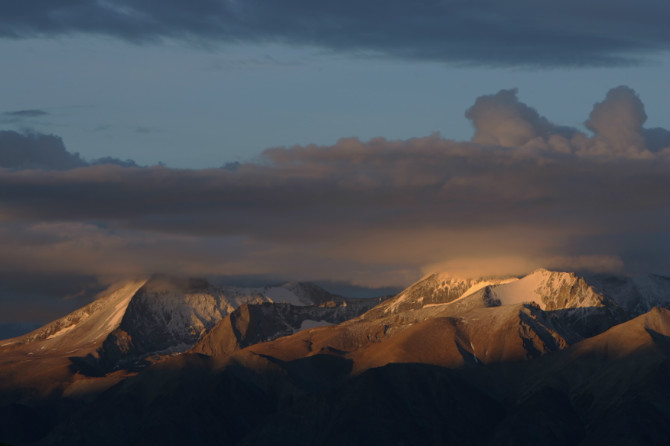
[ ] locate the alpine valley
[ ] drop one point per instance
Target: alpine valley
(547, 358)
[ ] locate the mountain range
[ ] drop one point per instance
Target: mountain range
(547, 358)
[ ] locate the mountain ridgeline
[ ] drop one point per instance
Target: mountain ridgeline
(170, 316)
(548, 358)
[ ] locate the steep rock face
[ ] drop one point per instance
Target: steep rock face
(482, 336)
(550, 290)
(40, 363)
(431, 290)
(251, 324)
(614, 298)
(563, 303)
(636, 295)
(650, 330)
(82, 327)
(170, 315)
(167, 314)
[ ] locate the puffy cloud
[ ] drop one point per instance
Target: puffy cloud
(500, 119)
(524, 193)
(617, 122)
(604, 32)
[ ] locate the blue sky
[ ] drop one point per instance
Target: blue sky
(198, 105)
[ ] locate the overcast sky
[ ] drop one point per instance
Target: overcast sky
(365, 142)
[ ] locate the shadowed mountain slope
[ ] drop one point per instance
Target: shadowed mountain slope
(135, 323)
(580, 395)
(252, 324)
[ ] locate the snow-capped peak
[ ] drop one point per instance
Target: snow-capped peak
(551, 290)
(435, 289)
(89, 324)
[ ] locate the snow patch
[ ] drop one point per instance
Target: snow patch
(547, 289)
(436, 305)
(484, 283)
(286, 296)
(62, 331)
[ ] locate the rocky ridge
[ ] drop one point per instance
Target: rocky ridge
(165, 315)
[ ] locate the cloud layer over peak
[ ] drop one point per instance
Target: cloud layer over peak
(375, 213)
(481, 32)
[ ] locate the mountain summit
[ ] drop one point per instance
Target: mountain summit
(550, 290)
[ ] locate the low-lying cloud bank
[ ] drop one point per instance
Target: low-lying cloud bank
(523, 193)
(489, 32)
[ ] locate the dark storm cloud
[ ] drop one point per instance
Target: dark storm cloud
(571, 32)
(524, 193)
